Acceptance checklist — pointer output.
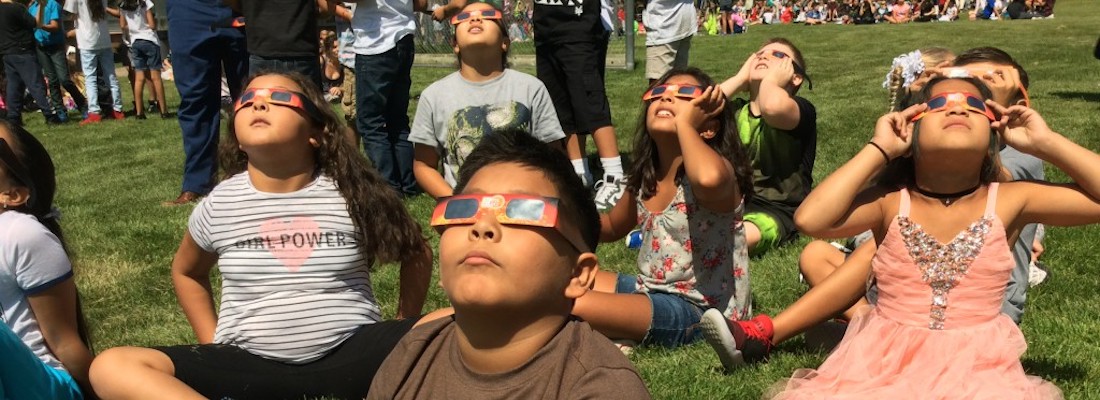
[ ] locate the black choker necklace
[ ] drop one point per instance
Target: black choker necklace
(946, 198)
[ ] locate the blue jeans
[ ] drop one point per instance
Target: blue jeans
(307, 66)
(23, 73)
(199, 55)
(24, 376)
(91, 61)
(53, 62)
(674, 317)
(382, 83)
(145, 56)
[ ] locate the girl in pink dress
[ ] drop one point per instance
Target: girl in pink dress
(943, 224)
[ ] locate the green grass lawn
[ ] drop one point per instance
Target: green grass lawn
(114, 175)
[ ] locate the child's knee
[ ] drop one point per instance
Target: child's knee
(818, 258)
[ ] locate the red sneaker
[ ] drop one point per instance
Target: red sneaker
(92, 118)
(118, 115)
(737, 343)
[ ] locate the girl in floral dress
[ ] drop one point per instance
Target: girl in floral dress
(687, 187)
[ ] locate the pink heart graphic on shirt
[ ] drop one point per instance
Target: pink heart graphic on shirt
(289, 239)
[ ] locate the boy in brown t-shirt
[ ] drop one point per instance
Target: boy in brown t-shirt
(516, 247)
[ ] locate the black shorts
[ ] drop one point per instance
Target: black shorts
(224, 371)
(725, 9)
(573, 75)
(781, 213)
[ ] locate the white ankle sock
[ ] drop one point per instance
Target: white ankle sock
(580, 166)
(612, 166)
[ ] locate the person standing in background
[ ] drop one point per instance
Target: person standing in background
(203, 44)
(50, 51)
(20, 64)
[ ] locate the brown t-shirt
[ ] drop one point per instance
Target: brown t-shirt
(577, 363)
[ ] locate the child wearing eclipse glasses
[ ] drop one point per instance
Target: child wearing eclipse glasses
(295, 230)
(779, 130)
(941, 266)
(847, 275)
(457, 111)
(516, 249)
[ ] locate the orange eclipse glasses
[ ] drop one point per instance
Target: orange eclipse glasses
(681, 91)
(282, 97)
(508, 209)
(467, 15)
(945, 101)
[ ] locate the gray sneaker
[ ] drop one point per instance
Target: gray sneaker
(609, 191)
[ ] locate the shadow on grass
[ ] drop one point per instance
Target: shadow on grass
(1086, 96)
(1049, 368)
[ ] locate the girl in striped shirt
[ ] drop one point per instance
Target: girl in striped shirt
(294, 229)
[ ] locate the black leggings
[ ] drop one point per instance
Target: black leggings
(225, 371)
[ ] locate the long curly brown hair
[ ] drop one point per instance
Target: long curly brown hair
(389, 233)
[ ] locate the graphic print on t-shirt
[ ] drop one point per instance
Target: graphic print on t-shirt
(468, 125)
(293, 240)
(578, 5)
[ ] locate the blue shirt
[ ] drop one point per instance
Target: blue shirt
(52, 12)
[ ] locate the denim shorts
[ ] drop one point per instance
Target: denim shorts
(145, 55)
(674, 317)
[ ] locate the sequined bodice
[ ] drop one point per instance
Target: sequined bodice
(943, 285)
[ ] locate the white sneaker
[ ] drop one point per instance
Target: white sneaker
(609, 191)
(1036, 274)
(717, 333)
(626, 346)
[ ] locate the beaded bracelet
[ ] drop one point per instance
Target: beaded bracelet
(881, 150)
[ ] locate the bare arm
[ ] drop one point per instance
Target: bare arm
(448, 10)
(191, 278)
(51, 26)
(151, 20)
(56, 311)
(333, 7)
(711, 174)
(837, 207)
(1061, 205)
(622, 218)
(739, 82)
(415, 277)
(114, 12)
(777, 106)
(426, 170)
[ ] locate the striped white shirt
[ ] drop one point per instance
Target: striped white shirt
(294, 282)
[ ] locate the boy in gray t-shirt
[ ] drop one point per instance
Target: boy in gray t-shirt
(455, 112)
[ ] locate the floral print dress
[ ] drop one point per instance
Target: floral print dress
(696, 253)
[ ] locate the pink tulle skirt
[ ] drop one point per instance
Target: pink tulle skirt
(880, 358)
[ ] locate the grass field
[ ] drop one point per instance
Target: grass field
(114, 175)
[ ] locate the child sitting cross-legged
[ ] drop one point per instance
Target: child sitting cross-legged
(516, 249)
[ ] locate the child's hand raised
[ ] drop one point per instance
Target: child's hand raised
(691, 115)
(1021, 127)
(746, 68)
(894, 131)
(782, 73)
(929, 74)
(1003, 82)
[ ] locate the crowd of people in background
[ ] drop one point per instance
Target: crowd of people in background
(51, 30)
(727, 17)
